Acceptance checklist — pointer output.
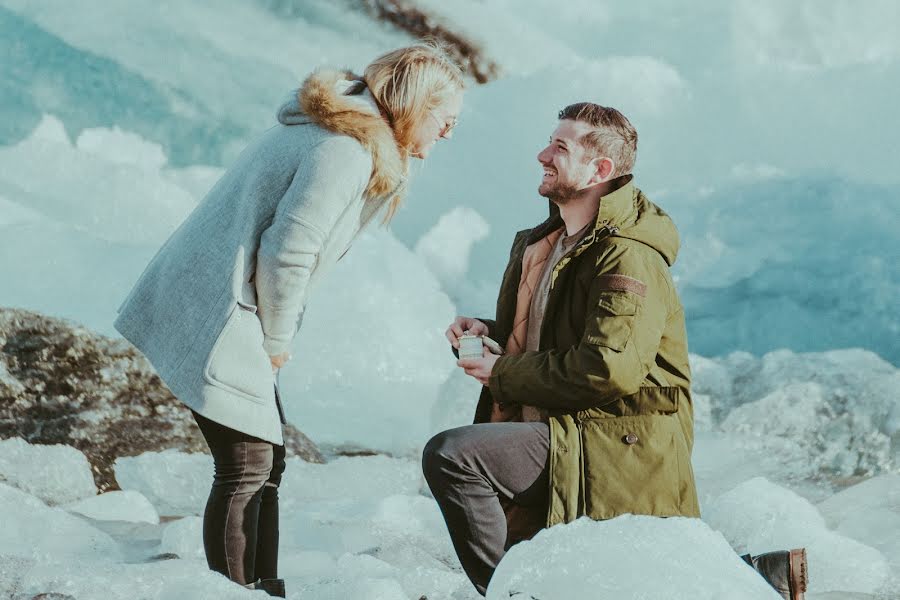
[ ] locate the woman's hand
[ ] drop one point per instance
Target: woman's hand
(279, 360)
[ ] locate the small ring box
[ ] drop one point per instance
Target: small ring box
(470, 346)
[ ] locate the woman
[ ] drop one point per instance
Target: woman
(217, 307)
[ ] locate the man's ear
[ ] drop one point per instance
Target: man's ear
(603, 170)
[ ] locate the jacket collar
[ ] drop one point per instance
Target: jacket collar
(331, 100)
(615, 208)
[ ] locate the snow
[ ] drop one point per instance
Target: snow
(775, 154)
(33, 530)
(382, 340)
(56, 474)
(93, 579)
(116, 506)
(177, 484)
(365, 525)
(447, 246)
(868, 512)
(757, 516)
(184, 537)
(612, 559)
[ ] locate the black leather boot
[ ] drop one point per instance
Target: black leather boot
(785, 570)
(273, 587)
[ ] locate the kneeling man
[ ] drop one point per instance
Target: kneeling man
(589, 410)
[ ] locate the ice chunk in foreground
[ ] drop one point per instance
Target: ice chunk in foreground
(869, 512)
(446, 247)
(116, 506)
(184, 537)
(56, 474)
(176, 483)
(629, 557)
(457, 399)
(87, 579)
(346, 478)
(758, 516)
(32, 529)
(371, 353)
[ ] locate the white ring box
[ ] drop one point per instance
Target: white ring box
(470, 346)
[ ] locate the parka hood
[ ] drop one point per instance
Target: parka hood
(628, 211)
(340, 101)
(636, 218)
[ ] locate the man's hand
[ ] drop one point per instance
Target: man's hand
(462, 324)
(279, 360)
(479, 368)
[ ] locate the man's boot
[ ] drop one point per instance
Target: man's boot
(273, 587)
(785, 571)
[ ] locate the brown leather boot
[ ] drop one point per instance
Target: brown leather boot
(785, 570)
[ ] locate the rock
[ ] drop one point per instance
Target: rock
(404, 15)
(63, 384)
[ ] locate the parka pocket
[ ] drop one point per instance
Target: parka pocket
(237, 362)
(632, 465)
(614, 319)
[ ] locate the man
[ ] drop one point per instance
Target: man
(589, 410)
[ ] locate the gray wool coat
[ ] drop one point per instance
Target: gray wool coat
(229, 287)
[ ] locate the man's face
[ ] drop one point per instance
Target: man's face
(568, 169)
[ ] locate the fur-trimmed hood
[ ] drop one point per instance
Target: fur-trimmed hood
(340, 102)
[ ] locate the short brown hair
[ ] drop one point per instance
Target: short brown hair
(614, 136)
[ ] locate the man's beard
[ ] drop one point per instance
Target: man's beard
(561, 193)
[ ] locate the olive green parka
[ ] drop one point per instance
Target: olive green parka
(612, 368)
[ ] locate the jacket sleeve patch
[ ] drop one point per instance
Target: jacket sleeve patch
(622, 283)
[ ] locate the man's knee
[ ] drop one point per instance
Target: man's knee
(444, 450)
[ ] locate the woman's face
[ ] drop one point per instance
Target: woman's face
(438, 123)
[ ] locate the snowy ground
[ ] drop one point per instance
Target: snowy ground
(364, 527)
(361, 528)
(767, 131)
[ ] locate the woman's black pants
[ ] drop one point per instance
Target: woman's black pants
(240, 523)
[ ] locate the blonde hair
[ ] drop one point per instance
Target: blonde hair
(407, 83)
(614, 136)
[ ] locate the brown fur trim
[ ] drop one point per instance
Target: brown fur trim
(328, 109)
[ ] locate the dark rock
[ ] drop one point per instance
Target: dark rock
(404, 15)
(63, 384)
(163, 556)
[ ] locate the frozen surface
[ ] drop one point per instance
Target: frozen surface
(786, 234)
(758, 516)
(788, 230)
(869, 512)
(108, 580)
(198, 79)
(177, 484)
(364, 527)
(33, 530)
(371, 351)
(446, 249)
(612, 559)
(56, 474)
(457, 399)
(116, 506)
(184, 537)
(830, 415)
